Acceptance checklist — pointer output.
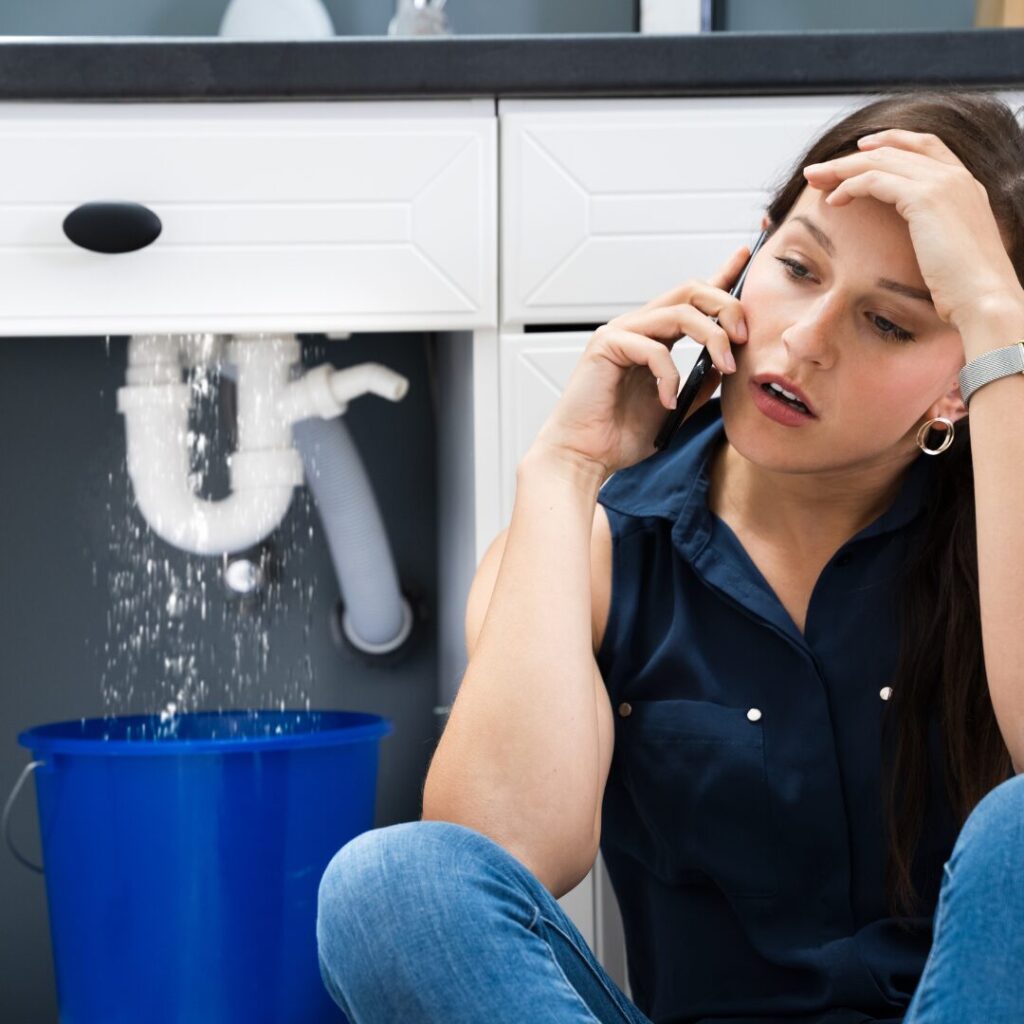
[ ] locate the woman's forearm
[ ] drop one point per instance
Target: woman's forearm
(997, 450)
(518, 759)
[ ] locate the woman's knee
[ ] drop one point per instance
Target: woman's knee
(375, 863)
(383, 876)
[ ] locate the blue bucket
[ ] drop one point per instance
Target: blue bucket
(182, 859)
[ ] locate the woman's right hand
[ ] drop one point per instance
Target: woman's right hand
(612, 407)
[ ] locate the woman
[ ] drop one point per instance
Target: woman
(811, 670)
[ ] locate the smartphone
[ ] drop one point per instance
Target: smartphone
(685, 398)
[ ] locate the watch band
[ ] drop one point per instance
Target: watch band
(1000, 362)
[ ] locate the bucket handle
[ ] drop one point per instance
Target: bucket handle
(5, 820)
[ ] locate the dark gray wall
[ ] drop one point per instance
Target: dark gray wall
(75, 550)
(798, 15)
(350, 17)
(478, 17)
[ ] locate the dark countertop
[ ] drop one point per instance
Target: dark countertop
(132, 68)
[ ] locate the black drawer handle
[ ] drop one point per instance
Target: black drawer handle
(112, 227)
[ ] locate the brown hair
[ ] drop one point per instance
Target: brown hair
(940, 674)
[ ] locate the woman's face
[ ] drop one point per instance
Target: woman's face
(823, 321)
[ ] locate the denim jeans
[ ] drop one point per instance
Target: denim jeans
(429, 921)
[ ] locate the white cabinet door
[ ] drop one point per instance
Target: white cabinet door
(535, 368)
(334, 216)
(606, 203)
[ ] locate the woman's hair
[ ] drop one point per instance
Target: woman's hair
(940, 677)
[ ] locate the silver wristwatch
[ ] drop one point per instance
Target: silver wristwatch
(1000, 362)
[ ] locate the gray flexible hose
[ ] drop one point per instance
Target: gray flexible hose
(377, 617)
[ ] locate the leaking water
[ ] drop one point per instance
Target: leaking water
(177, 639)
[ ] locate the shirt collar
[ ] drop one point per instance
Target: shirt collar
(673, 484)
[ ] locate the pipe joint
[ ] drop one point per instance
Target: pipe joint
(310, 395)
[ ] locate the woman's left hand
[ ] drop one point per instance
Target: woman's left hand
(954, 233)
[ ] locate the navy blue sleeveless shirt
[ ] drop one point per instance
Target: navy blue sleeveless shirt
(742, 822)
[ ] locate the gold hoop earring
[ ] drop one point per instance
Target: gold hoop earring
(922, 435)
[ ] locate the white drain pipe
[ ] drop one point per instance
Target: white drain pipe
(264, 468)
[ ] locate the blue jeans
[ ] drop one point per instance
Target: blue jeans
(429, 921)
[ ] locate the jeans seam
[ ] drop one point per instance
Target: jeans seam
(586, 960)
(538, 915)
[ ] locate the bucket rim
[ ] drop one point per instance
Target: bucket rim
(80, 735)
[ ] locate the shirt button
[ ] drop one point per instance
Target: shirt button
(885, 692)
(754, 714)
(625, 709)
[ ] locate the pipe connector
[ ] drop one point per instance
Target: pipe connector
(325, 392)
(368, 378)
(310, 395)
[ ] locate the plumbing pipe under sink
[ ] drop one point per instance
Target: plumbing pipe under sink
(264, 470)
(377, 617)
(266, 466)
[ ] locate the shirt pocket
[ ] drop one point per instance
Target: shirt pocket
(697, 776)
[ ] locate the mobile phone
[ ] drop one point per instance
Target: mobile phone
(673, 421)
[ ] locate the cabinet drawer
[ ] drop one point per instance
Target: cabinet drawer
(606, 203)
(275, 216)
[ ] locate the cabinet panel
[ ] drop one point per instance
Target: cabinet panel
(275, 216)
(608, 202)
(534, 371)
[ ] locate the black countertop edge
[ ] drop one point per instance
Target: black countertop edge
(202, 68)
